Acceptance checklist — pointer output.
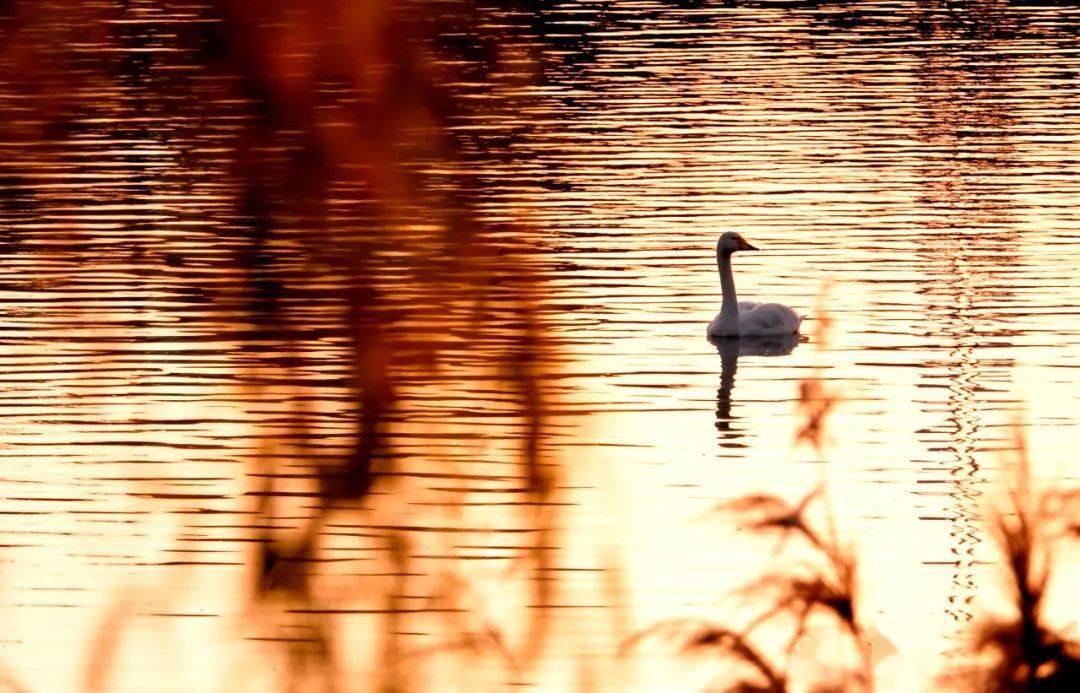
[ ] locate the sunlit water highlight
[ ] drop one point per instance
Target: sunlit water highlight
(909, 172)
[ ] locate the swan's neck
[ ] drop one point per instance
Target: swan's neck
(729, 309)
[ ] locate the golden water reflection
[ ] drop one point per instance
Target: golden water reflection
(183, 503)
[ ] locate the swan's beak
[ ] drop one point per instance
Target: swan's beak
(743, 245)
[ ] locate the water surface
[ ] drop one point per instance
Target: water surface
(908, 172)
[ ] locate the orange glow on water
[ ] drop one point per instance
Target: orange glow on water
(349, 348)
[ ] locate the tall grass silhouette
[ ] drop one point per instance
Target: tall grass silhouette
(352, 217)
(811, 589)
(351, 209)
(1024, 651)
(815, 587)
(1021, 652)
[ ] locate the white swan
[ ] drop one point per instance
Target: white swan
(745, 318)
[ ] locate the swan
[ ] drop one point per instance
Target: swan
(746, 318)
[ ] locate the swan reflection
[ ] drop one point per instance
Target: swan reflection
(730, 349)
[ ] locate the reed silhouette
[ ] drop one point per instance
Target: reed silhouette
(816, 580)
(379, 145)
(350, 211)
(1024, 651)
(817, 577)
(360, 267)
(814, 593)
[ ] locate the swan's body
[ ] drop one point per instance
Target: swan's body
(756, 320)
(746, 318)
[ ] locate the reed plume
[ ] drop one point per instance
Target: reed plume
(1023, 651)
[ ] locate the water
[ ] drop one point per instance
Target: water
(908, 172)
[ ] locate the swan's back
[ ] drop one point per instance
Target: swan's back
(758, 320)
(761, 319)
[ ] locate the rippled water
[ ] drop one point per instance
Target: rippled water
(910, 174)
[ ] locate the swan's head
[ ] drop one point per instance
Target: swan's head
(731, 241)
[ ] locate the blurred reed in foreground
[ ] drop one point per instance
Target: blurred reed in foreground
(1027, 650)
(353, 196)
(353, 216)
(810, 603)
(811, 598)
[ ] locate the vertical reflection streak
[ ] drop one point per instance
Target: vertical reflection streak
(969, 237)
(963, 431)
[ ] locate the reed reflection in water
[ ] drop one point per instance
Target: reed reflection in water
(359, 345)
